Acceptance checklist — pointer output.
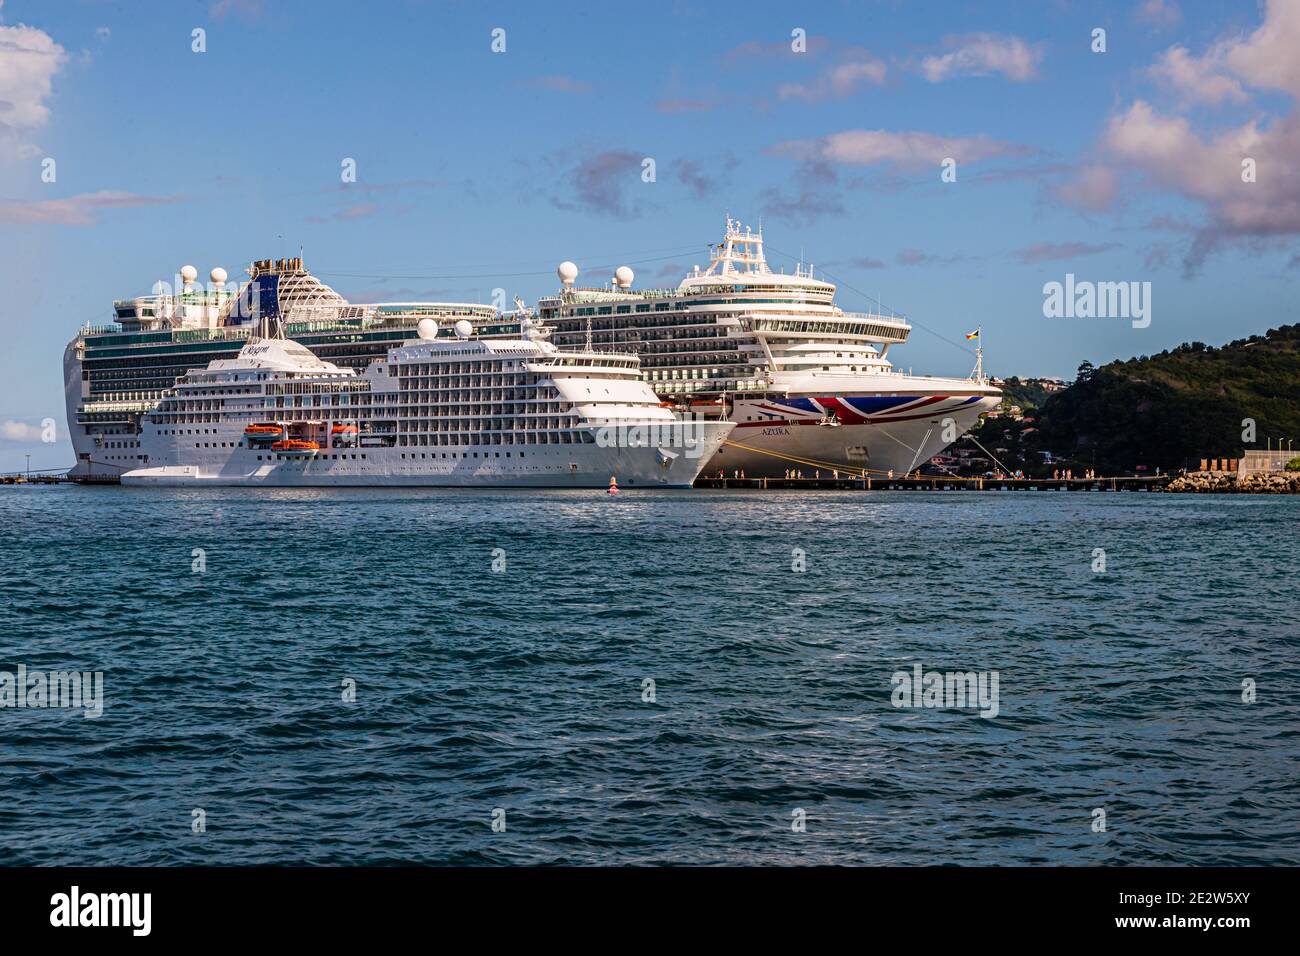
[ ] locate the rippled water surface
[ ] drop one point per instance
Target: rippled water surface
(523, 689)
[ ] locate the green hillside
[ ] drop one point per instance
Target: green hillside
(1027, 394)
(1167, 410)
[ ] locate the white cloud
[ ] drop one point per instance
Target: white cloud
(11, 430)
(860, 147)
(1268, 58)
(1159, 13)
(1197, 79)
(979, 54)
(839, 81)
(1265, 60)
(29, 58)
(1092, 188)
(80, 210)
(1053, 251)
(1209, 171)
(1208, 166)
(251, 9)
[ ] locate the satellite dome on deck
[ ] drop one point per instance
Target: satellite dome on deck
(218, 276)
(427, 329)
(567, 272)
(624, 276)
(464, 328)
(189, 274)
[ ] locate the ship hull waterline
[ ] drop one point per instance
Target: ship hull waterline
(578, 466)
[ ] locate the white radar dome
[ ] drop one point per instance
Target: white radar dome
(624, 276)
(189, 274)
(464, 328)
(567, 272)
(427, 329)
(218, 276)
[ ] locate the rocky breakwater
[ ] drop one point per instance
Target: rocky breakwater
(1259, 483)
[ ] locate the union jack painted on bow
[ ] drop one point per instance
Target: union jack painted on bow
(859, 409)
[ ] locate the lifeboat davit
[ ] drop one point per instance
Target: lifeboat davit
(296, 449)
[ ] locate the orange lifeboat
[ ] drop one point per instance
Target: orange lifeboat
(296, 449)
(263, 432)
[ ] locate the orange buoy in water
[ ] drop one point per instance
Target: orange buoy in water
(613, 486)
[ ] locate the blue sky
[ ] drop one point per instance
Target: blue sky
(478, 170)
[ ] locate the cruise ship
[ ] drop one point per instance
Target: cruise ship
(435, 411)
(115, 374)
(809, 386)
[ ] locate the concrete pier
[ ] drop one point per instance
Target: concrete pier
(940, 484)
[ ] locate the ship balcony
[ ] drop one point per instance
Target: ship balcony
(99, 408)
(857, 326)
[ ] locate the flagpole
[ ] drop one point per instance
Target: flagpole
(978, 336)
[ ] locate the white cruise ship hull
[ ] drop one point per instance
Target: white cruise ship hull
(561, 466)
